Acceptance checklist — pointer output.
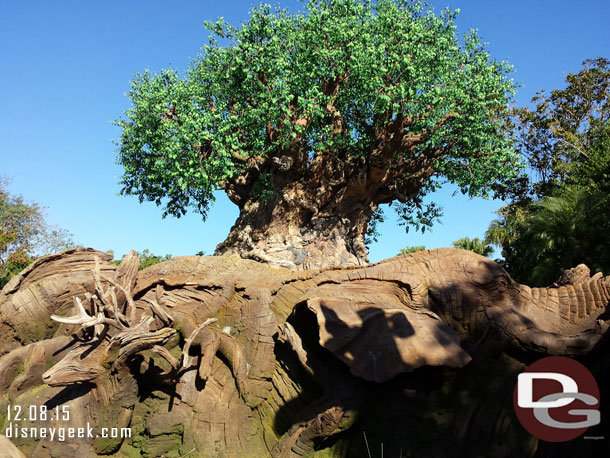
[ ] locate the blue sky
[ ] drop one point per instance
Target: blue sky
(66, 66)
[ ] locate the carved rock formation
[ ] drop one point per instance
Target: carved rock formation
(220, 356)
(579, 274)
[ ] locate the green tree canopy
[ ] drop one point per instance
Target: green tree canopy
(320, 116)
(566, 135)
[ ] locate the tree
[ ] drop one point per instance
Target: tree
(475, 245)
(310, 121)
(559, 232)
(558, 216)
(565, 138)
(24, 234)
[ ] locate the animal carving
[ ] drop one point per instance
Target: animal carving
(221, 356)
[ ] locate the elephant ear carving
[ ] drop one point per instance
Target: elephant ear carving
(379, 336)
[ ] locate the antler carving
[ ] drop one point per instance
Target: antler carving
(82, 317)
(113, 305)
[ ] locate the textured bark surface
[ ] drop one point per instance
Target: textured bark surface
(298, 231)
(220, 356)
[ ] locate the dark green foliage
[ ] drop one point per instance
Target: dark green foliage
(556, 234)
(349, 83)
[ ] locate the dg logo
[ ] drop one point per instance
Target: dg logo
(557, 399)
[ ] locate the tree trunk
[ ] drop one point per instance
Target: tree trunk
(299, 231)
(307, 210)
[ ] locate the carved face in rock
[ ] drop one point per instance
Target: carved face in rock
(82, 364)
(97, 360)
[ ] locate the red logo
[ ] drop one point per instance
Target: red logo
(557, 399)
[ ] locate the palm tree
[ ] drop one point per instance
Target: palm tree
(566, 231)
(557, 233)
